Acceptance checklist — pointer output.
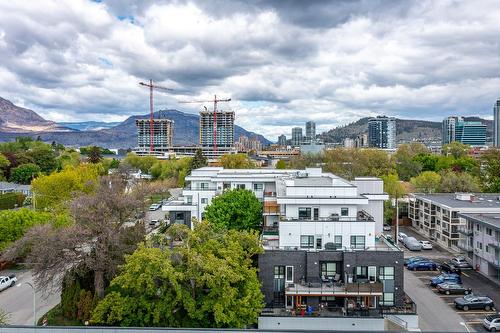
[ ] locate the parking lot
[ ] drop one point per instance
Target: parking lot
(437, 311)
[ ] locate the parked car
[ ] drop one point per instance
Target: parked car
(426, 245)
(445, 278)
(154, 223)
(387, 227)
(7, 281)
(492, 323)
(154, 206)
(412, 244)
(461, 263)
(450, 267)
(414, 259)
(453, 288)
(424, 265)
(474, 302)
(402, 236)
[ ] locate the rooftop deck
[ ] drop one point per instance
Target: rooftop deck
(336, 289)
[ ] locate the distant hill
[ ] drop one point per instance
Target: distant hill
(88, 125)
(406, 129)
(16, 121)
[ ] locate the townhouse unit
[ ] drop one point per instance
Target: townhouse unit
(437, 215)
(481, 241)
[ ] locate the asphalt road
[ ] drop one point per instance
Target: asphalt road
(17, 301)
(436, 311)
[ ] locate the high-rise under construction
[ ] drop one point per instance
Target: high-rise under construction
(223, 136)
(163, 130)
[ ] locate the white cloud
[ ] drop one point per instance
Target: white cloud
(283, 65)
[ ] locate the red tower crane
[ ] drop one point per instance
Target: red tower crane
(215, 101)
(152, 86)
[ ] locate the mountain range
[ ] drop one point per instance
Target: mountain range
(16, 121)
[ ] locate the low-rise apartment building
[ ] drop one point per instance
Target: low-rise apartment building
(322, 235)
(437, 215)
(481, 241)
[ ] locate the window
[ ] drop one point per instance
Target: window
(488, 231)
(307, 242)
(279, 278)
(319, 242)
(387, 299)
(337, 242)
(328, 270)
(189, 199)
(304, 213)
(361, 273)
(203, 186)
(479, 245)
(258, 187)
(289, 274)
(316, 214)
(487, 249)
(240, 186)
(357, 242)
(204, 200)
(386, 273)
(344, 211)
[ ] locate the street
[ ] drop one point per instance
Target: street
(17, 301)
(436, 311)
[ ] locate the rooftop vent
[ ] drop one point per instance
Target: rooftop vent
(464, 196)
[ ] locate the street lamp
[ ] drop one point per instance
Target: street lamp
(34, 299)
(465, 325)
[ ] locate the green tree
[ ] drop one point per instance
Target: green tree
(458, 182)
(236, 161)
(428, 161)
(427, 182)
(42, 155)
(54, 190)
(350, 163)
(281, 165)
(406, 164)
(207, 281)
(174, 169)
(24, 173)
(94, 155)
(15, 223)
(197, 161)
(4, 164)
(455, 149)
(490, 175)
(236, 209)
(143, 163)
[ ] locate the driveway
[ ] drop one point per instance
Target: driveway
(17, 301)
(416, 286)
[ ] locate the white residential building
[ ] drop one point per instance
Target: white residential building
(302, 202)
(437, 215)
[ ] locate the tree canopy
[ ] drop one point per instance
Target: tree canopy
(236, 161)
(235, 209)
(206, 281)
(427, 182)
(24, 173)
(15, 223)
(197, 161)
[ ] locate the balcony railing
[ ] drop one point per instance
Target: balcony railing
(336, 289)
(270, 194)
(362, 216)
(466, 232)
(199, 188)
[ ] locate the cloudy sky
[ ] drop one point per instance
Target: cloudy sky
(282, 62)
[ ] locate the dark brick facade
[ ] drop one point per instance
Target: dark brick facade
(307, 266)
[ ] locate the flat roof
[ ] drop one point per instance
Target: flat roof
(491, 219)
(481, 200)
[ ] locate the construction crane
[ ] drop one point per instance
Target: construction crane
(152, 86)
(215, 101)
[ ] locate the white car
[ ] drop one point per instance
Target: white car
(492, 323)
(7, 281)
(387, 227)
(426, 245)
(402, 236)
(154, 206)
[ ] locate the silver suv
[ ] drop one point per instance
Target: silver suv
(492, 323)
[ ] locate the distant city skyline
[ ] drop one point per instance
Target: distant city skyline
(282, 64)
